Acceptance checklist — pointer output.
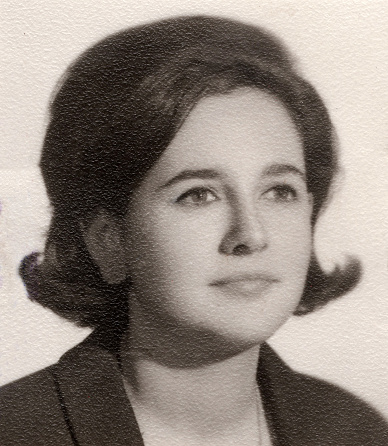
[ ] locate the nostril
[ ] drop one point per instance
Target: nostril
(241, 250)
(244, 237)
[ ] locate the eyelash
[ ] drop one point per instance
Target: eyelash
(200, 192)
(283, 194)
(281, 190)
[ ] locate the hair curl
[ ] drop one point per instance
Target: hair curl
(118, 107)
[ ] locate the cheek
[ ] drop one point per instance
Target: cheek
(291, 243)
(290, 254)
(168, 247)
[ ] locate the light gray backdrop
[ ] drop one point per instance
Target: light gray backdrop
(342, 49)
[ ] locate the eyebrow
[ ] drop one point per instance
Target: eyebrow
(205, 174)
(281, 169)
(210, 174)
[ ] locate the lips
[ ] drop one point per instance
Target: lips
(245, 285)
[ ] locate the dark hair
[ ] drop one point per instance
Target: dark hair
(116, 110)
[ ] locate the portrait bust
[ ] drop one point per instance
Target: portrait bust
(187, 163)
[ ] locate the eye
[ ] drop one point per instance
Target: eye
(197, 197)
(282, 193)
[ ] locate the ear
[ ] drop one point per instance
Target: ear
(105, 243)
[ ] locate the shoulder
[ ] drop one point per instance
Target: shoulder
(79, 400)
(30, 412)
(310, 411)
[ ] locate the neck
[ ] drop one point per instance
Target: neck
(169, 379)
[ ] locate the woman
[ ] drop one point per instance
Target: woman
(187, 163)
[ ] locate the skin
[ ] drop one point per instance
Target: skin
(217, 241)
(249, 214)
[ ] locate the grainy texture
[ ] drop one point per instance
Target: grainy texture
(301, 411)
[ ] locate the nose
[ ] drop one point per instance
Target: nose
(246, 233)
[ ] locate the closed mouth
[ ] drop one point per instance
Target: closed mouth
(245, 278)
(248, 285)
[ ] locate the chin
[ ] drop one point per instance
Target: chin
(242, 332)
(248, 337)
(254, 323)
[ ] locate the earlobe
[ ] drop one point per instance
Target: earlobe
(105, 243)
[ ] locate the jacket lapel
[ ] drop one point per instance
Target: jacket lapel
(270, 371)
(93, 399)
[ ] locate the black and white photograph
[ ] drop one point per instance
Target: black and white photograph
(194, 223)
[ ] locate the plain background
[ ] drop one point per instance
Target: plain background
(341, 47)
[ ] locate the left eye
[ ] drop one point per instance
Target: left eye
(197, 197)
(281, 193)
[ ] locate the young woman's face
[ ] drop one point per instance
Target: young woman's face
(218, 235)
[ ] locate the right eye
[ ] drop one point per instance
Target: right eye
(198, 196)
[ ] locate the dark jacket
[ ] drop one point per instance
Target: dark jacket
(81, 401)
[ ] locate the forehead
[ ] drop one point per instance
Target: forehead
(247, 128)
